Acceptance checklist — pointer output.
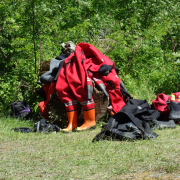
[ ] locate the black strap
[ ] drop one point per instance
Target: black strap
(124, 90)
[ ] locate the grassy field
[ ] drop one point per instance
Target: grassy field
(73, 156)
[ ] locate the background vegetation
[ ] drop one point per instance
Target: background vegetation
(142, 37)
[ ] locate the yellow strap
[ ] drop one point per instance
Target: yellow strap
(179, 98)
(172, 97)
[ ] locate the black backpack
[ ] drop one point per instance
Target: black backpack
(19, 109)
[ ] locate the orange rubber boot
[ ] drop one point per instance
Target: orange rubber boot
(72, 118)
(89, 120)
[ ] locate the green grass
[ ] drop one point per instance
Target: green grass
(73, 156)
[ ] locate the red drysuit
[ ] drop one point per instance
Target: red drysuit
(49, 90)
(74, 80)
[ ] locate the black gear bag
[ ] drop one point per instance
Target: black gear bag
(19, 109)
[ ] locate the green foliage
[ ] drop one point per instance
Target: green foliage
(142, 37)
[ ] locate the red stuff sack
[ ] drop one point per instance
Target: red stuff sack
(161, 103)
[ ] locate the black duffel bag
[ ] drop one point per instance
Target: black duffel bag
(19, 109)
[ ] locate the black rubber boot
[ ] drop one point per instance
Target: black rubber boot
(164, 124)
(174, 111)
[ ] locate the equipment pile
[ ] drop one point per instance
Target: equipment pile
(72, 80)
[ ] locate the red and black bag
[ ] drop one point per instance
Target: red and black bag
(161, 103)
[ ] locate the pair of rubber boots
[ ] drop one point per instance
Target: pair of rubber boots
(174, 113)
(89, 121)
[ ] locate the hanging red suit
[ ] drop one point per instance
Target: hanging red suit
(74, 83)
